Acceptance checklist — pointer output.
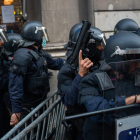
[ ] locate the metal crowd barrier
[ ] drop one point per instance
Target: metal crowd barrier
(55, 110)
(47, 126)
(100, 112)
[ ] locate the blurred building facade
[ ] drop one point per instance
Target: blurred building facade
(60, 15)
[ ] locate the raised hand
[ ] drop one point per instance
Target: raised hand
(84, 65)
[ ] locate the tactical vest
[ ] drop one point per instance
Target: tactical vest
(107, 87)
(126, 87)
(36, 82)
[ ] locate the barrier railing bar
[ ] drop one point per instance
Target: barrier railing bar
(48, 126)
(37, 121)
(44, 123)
(12, 131)
(89, 114)
(59, 123)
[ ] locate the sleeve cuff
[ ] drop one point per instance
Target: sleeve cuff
(120, 101)
(17, 109)
(78, 77)
(77, 80)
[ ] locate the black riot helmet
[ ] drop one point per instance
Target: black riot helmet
(122, 46)
(11, 46)
(126, 25)
(32, 32)
(138, 32)
(94, 54)
(74, 29)
(96, 31)
(70, 44)
(3, 35)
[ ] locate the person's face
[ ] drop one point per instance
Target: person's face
(100, 47)
(1, 43)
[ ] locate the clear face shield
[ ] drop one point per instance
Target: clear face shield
(118, 85)
(45, 37)
(103, 39)
(3, 36)
(128, 55)
(96, 46)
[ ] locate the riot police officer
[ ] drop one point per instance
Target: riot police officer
(69, 81)
(8, 51)
(28, 79)
(126, 25)
(117, 85)
(4, 114)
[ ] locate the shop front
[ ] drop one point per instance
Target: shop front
(11, 15)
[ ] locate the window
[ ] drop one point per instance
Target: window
(13, 27)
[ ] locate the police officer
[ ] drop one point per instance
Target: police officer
(8, 51)
(69, 81)
(28, 79)
(116, 86)
(4, 114)
(126, 25)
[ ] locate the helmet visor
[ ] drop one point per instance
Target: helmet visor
(44, 33)
(128, 53)
(3, 36)
(99, 38)
(103, 39)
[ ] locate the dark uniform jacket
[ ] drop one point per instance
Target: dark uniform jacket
(91, 95)
(4, 114)
(20, 91)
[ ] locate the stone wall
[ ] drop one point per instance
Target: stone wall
(60, 15)
(34, 10)
(109, 12)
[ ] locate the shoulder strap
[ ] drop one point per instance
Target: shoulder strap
(104, 81)
(104, 66)
(34, 55)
